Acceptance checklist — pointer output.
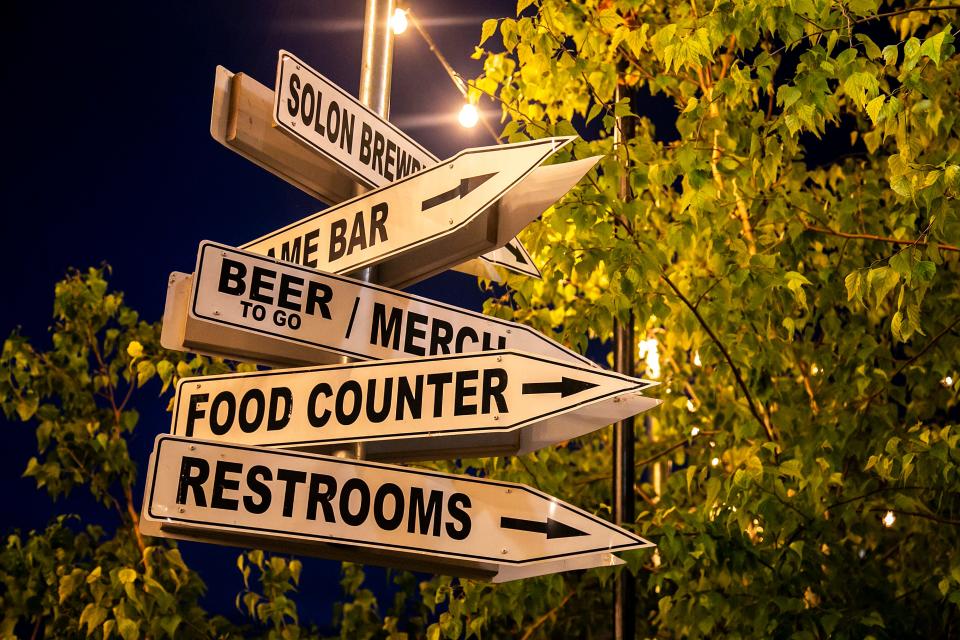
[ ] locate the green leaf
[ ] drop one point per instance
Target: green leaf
(92, 617)
(932, 47)
(129, 629)
(127, 575)
(488, 29)
(925, 270)
(873, 108)
(27, 407)
(890, 54)
(787, 96)
(854, 282)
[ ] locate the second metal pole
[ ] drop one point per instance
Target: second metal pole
(376, 69)
(624, 435)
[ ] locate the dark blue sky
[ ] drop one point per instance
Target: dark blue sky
(109, 159)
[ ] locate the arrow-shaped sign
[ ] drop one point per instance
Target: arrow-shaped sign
(410, 231)
(426, 408)
(551, 527)
(324, 118)
(369, 512)
(242, 305)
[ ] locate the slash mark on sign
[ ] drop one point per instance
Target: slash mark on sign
(353, 315)
(551, 527)
(566, 387)
(466, 186)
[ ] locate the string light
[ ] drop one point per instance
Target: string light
(469, 116)
(947, 381)
(398, 21)
(715, 462)
(695, 431)
(696, 359)
(888, 519)
(814, 369)
(649, 351)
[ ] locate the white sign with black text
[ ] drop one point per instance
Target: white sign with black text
(241, 305)
(321, 115)
(197, 489)
(467, 405)
(428, 222)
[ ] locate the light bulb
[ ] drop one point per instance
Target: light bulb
(715, 462)
(398, 21)
(947, 381)
(888, 519)
(469, 116)
(695, 431)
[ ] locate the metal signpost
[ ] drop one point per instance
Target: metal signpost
(467, 405)
(241, 466)
(326, 506)
(241, 305)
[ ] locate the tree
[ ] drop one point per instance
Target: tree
(792, 252)
(788, 241)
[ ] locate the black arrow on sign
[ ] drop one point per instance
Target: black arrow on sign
(551, 527)
(515, 252)
(466, 186)
(566, 387)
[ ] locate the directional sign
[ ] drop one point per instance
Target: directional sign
(327, 119)
(241, 305)
(332, 122)
(373, 512)
(425, 223)
(468, 405)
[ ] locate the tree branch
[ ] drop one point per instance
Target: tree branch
(549, 614)
(911, 360)
(767, 427)
(870, 236)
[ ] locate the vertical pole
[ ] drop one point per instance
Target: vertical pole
(376, 68)
(624, 436)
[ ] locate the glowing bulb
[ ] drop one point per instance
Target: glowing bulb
(695, 431)
(650, 352)
(696, 359)
(814, 369)
(398, 21)
(947, 382)
(690, 406)
(889, 519)
(469, 116)
(715, 462)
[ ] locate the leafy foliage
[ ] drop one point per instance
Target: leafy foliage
(791, 250)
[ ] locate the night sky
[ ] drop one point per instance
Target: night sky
(109, 159)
